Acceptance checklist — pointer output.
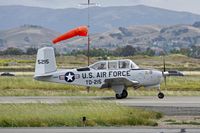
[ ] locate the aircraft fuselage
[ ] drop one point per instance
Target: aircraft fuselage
(95, 78)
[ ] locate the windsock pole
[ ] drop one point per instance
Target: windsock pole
(88, 53)
(88, 4)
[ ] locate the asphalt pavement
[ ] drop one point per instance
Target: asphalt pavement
(182, 105)
(98, 130)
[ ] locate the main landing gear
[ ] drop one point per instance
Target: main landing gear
(124, 94)
(120, 91)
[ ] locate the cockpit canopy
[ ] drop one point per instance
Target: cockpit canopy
(114, 64)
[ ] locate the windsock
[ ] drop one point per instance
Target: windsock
(79, 31)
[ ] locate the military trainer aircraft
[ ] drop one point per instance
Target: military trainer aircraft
(115, 74)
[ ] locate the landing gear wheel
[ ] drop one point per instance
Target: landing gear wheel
(123, 95)
(161, 95)
(118, 96)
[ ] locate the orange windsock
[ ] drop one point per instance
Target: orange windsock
(79, 31)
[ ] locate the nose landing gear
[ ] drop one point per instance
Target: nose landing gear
(161, 95)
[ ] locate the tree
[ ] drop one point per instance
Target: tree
(149, 52)
(195, 52)
(93, 52)
(185, 51)
(125, 51)
(31, 51)
(13, 51)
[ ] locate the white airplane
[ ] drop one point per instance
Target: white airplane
(115, 74)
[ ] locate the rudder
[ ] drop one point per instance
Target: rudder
(45, 62)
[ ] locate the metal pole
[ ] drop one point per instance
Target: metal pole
(88, 52)
(88, 47)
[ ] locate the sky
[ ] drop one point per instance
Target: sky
(177, 5)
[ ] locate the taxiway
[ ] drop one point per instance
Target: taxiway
(169, 105)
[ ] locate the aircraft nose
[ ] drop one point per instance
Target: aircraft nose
(160, 76)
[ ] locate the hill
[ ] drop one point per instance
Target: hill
(157, 37)
(26, 36)
(102, 18)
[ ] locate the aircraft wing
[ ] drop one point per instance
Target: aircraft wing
(119, 81)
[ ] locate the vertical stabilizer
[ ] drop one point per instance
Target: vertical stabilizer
(45, 62)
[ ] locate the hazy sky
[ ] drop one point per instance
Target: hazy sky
(179, 5)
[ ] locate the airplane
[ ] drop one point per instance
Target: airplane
(115, 74)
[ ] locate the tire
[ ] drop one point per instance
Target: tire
(161, 95)
(124, 94)
(118, 96)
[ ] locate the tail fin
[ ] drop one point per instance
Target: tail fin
(45, 62)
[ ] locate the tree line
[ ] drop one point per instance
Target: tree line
(18, 51)
(120, 51)
(193, 51)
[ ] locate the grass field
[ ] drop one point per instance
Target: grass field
(98, 113)
(27, 63)
(186, 83)
(27, 86)
(71, 113)
(24, 85)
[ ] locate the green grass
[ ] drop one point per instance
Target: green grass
(186, 83)
(5, 62)
(71, 113)
(185, 123)
(27, 86)
(169, 120)
(23, 68)
(182, 122)
(27, 82)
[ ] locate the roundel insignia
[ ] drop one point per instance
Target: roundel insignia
(69, 77)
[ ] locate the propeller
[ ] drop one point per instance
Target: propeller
(164, 70)
(169, 73)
